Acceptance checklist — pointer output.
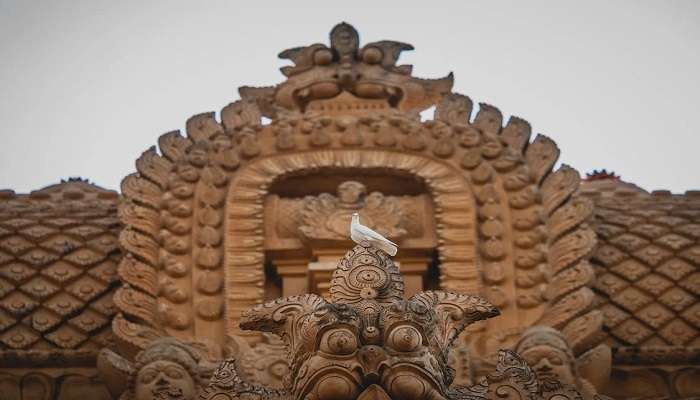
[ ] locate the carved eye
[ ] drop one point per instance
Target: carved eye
(338, 341)
(555, 360)
(148, 375)
(174, 373)
(279, 369)
(323, 57)
(404, 338)
(372, 55)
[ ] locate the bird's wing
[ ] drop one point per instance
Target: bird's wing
(373, 235)
(386, 247)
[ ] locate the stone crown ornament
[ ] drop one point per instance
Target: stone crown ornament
(334, 78)
(368, 339)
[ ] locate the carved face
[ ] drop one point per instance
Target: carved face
(161, 377)
(549, 362)
(279, 369)
(351, 192)
(344, 39)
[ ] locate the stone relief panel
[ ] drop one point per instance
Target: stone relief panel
(305, 236)
(328, 217)
(325, 218)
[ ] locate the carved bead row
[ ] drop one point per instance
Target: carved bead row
(174, 256)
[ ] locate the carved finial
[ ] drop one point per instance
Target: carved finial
(345, 40)
(366, 273)
(603, 174)
(346, 77)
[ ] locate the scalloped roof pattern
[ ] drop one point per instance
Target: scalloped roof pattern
(58, 258)
(647, 264)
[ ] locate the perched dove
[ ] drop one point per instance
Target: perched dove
(360, 233)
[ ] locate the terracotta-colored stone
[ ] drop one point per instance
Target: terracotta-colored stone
(237, 211)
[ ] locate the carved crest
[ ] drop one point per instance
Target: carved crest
(346, 76)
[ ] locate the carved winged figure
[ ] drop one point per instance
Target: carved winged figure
(327, 216)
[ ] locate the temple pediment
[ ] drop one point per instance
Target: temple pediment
(227, 257)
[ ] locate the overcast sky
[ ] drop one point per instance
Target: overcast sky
(86, 86)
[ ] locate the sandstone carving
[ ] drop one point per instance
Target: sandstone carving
(549, 354)
(166, 369)
(371, 343)
(254, 205)
(328, 217)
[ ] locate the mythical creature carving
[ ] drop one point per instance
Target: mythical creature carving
(369, 342)
(266, 363)
(327, 217)
(368, 334)
(347, 73)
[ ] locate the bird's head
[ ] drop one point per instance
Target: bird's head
(356, 217)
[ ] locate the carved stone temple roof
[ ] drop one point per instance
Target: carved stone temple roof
(58, 257)
(237, 210)
(647, 266)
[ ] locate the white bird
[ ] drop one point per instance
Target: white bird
(360, 233)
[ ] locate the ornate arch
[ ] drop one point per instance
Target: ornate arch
(508, 225)
(451, 193)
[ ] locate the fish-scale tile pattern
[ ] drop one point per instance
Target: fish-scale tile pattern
(58, 253)
(648, 266)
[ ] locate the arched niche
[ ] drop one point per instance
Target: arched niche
(306, 220)
(506, 225)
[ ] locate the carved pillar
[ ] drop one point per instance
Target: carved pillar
(320, 271)
(414, 272)
(294, 276)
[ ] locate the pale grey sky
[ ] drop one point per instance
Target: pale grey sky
(88, 85)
